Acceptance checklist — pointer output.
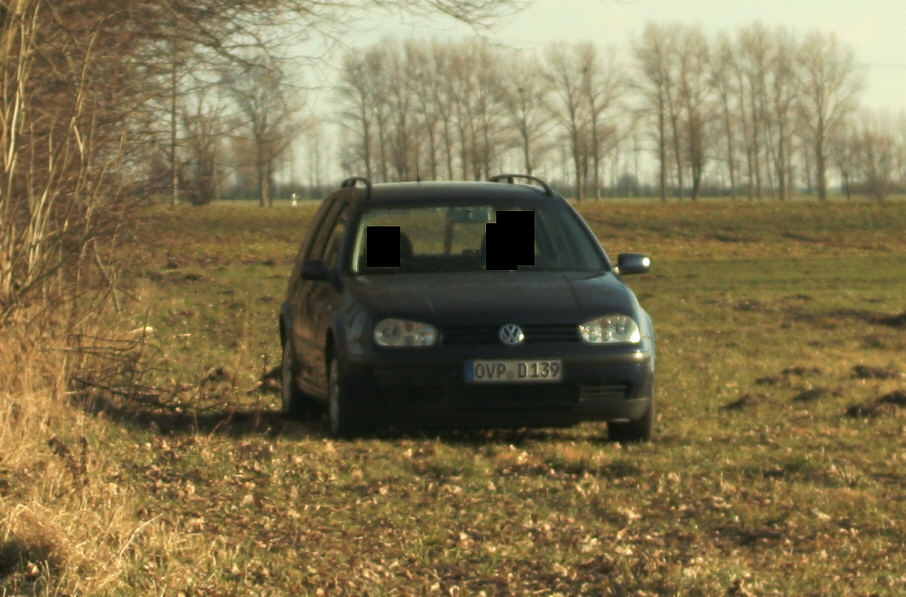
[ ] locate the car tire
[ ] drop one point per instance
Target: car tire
(342, 418)
(296, 403)
(634, 431)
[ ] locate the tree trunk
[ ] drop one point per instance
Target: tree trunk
(448, 147)
(662, 155)
(731, 163)
(781, 162)
(382, 147)
(526, 147)
(260, 172)
(174, 150)
(577, 162)
(596, 157)
(366, 141)
(820, 178)
(432, 151)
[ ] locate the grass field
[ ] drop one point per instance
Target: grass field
(779, 465)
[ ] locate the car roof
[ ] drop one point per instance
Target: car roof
(452, 191)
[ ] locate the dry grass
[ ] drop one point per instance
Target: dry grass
(774, 322)
(67, 526)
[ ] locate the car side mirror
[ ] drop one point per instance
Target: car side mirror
(315, 270)
(633, 263)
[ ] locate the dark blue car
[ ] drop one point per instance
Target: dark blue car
(486, 304)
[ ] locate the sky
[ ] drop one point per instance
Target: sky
(876, 29)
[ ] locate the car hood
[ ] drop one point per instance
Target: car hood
(492, 297)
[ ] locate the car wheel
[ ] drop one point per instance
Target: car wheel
(341, 415)
(634, 431)
(296, 403)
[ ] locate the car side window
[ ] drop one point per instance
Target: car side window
(316, 249)
(335, 241)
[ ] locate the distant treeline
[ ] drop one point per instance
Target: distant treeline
(757, 113)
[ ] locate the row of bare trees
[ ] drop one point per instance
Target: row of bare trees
(759, 112)
(770, 90)
(452, 110)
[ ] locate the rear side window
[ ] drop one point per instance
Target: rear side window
(316, 249)
(335, 240)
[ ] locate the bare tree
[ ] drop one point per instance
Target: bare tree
(315, 152)
(489, 136)
(400, 99)
(651, 54)
(205, 129)
(782, 92)
(525, 95)
(830, 85)
(603, 83)
(259, 91)
(377, 68)
(754, 43)
(843, 152)
(876, 151)
(425, 83)
(676, 82)
(694, 100)
(356, 93)
(444, 99)
(722, 81)
(460, 95)
(568, 106)
(899, 135)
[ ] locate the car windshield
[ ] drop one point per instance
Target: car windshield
(444, 238)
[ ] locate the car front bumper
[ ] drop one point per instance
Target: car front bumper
(427, 386)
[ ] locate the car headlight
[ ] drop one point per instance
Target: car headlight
(610, 329)
(399, 333)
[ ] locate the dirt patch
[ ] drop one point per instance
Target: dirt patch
(174, 275)
(887, 405)
(747, 400)
(25, 559)
(891, 341)
(867, 372)
(783, 376)
(802, 371)
(895, 321)
(750, 305)
(897, 397)
(814, 394)
(770, 380)
(804, 238)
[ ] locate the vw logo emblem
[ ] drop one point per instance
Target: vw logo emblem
(511, 334)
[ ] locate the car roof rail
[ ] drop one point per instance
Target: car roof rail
(510, 178)
(352, 180)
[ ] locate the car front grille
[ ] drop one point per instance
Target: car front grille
(489, 397)
(487, 334)
(597, 392)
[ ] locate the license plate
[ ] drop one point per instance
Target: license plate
(513, 371)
